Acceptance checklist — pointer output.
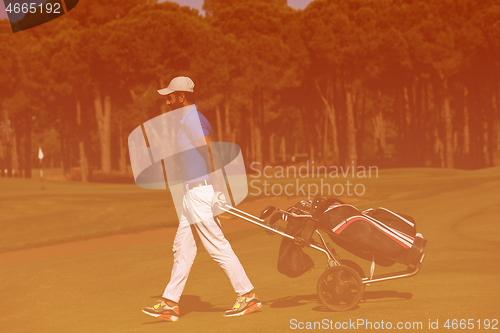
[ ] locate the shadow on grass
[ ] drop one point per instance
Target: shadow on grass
(368, 297)
(188, 304)
(299, 300)
(192, 303)
(385, 296)
(292, 301)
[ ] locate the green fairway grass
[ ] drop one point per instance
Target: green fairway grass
(104, 291)
(66, 211)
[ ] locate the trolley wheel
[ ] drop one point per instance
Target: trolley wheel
(354, 266)
(340, 288)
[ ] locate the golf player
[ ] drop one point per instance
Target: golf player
(202, 194)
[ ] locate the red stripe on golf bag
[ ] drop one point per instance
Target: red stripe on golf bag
(387, 240)
(349, 221)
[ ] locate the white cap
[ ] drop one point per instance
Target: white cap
(180, 83)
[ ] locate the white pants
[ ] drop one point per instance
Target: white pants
(197, 217)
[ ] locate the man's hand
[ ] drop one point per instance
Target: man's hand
(219, 200)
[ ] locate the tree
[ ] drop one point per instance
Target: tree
(9, 67)
(260, 55)
(341, 38)
(16, 104)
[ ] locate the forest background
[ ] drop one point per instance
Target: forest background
(391, 83)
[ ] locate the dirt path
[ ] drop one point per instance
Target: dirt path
(124, 240)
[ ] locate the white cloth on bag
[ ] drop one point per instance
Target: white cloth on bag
(197, 207)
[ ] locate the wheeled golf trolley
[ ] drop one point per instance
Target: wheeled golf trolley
(381, 236)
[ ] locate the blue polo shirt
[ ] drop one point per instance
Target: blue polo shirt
(193, 161)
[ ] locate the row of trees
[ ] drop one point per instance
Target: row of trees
(385, 82)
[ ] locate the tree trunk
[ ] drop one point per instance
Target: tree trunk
(311, 152)
(437, 123)
(497, 117)
(439, 148)
(403, 114)
(491, 129)
(360, 137)
(8, 158)
(325, 140)
(309, 137)
(2, 156)
(283, 149)
(122, 161)
(81, 145)
(103, 116)
(427, 126)
(330, 110)
(485, 150)
(406, 144)
(229, 133)
(258, 145)
(378, 122)
(352, 157)
(255, 135)
(15, 152)
(448, 125)
(83, 162)
(260, 123)
(8, 144)
(272, 153)
(418, 124)
(466, 148)
(65, 163)
(219, 137)
(27, 146)
(407, 110)
(379, 128)
(256, 138)
(252, 131)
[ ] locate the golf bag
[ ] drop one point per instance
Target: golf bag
(382, 235)
(292, 260)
